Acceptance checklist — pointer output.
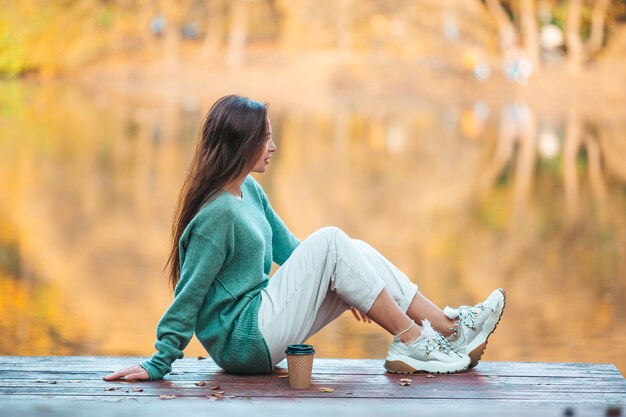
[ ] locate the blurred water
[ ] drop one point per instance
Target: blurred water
(463, 197)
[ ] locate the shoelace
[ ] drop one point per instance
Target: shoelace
(467, 314)
(440, 343)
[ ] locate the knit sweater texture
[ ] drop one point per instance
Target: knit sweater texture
(226, 253)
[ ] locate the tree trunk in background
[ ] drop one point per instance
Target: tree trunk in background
(530, 30)
(596, 176)
(598, 16)
(238, 33)
(572, 37)
(508, 34)
(214, 28)
(570, 173)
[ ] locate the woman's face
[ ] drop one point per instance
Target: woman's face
(268, 149)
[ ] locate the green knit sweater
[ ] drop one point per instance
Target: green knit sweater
(226, 254)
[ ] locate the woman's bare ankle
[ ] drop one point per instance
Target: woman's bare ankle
(412, 334)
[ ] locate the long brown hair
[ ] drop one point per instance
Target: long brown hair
(231, 141)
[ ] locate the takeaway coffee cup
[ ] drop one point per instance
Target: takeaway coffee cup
(300, 364)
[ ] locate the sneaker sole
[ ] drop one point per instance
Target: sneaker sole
(400, 366)
(478, 351)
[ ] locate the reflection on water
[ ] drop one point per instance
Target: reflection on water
(463, 198)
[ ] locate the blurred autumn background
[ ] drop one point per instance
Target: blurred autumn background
(475, 143)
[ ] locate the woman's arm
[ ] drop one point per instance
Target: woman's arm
(202, 262)
(283, 241)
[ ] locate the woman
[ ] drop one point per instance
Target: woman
(226, 236)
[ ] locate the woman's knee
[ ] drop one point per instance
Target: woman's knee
(328, 237)
(330, 233)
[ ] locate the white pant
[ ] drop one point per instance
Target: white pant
(326, 275)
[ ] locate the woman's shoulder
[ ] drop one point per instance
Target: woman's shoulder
(214, 215)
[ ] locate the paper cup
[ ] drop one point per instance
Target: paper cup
(300, 364)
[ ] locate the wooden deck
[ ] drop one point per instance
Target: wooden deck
(54, 385)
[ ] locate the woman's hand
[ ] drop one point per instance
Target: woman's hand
(360, 316)
(134, 373)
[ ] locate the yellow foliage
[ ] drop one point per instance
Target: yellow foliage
(51, 36)
(33, 323)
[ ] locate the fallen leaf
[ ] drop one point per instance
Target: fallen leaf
(405, 382)
(430, 376)
(283, 376)
(201, 358)
(136, 389)
(327, 389)
(219, 393)
(200, 383)
(167, 397)
(110, 388)
(216, 388)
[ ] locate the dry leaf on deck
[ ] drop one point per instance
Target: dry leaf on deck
(430, 376)
(327, 389)
(137, 389)
(110, 388)
(405, 382)
(216, 388)
(200, 383)
(167, 397)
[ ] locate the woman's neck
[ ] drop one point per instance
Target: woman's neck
(234, 187)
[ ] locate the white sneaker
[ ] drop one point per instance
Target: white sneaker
(475, 325)
(430, 352)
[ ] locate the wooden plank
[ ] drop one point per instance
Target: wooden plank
(321, 366)
(569, 399)
(454, 395)
(380, 382)
(306, 408)
(468, 379)
(376, 386)
(352, 380)
(20, 377)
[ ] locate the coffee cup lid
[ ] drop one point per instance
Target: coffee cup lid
(300, 350)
